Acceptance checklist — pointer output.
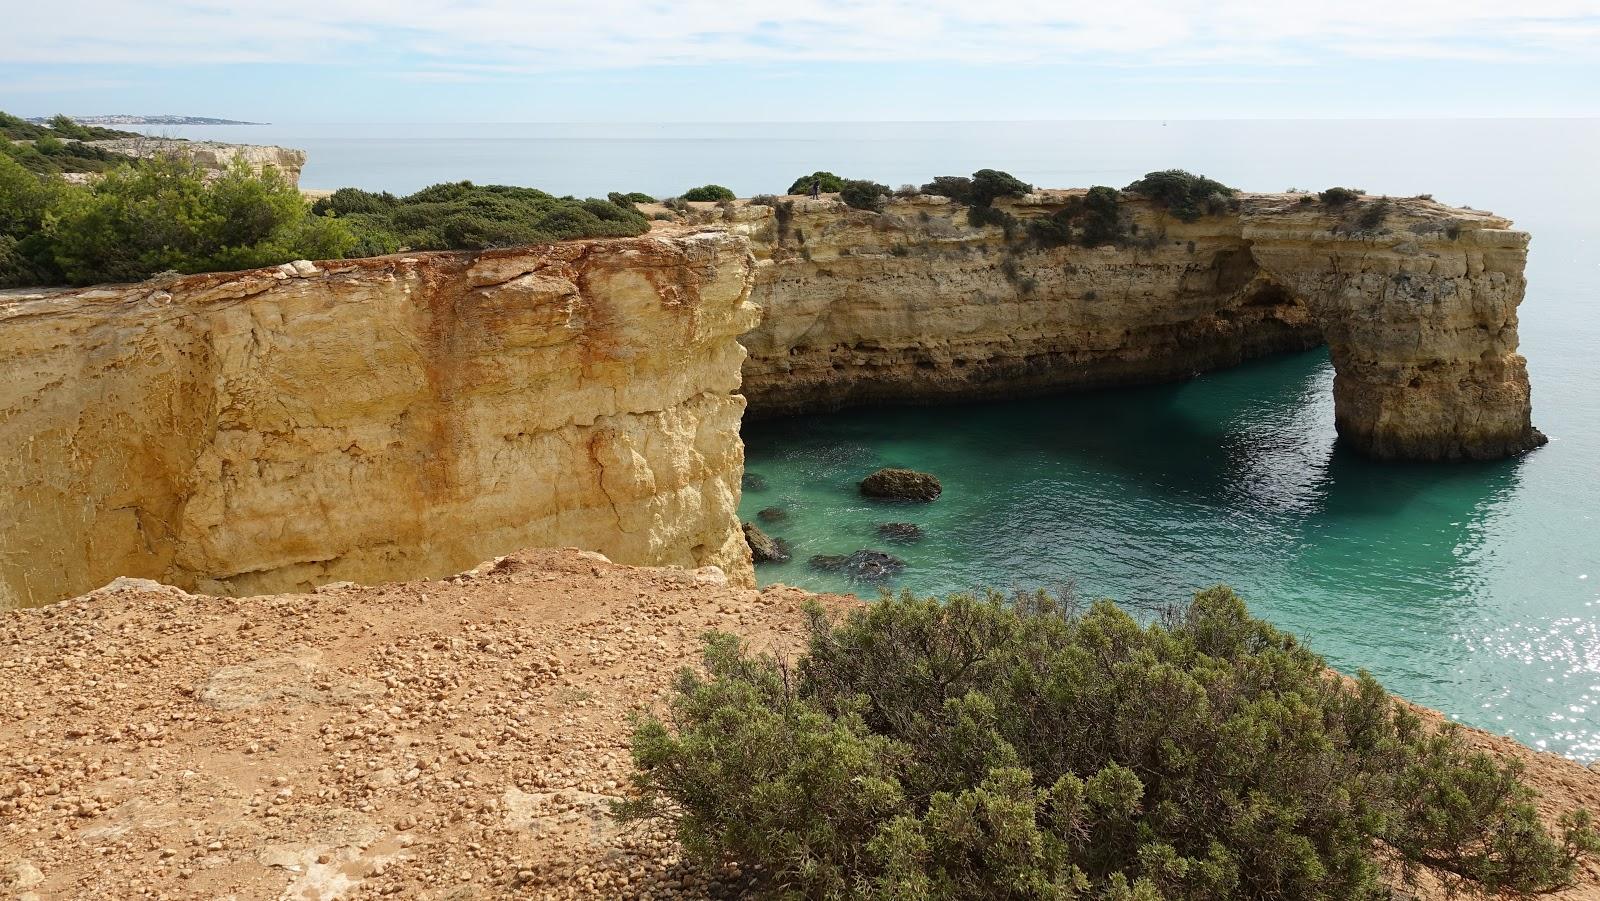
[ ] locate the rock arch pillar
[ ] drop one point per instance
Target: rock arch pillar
(1422, 329)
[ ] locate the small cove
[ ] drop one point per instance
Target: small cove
(1445, 581)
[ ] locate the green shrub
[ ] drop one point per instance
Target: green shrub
(50, 155)
(955, 187)
(864, 195)
(708, 192)
(349, 201)
(465, 216)
(1089, 221)
(160, 214)
(831, 183)
(627, 200)
(982, 189)
(994, 749)
(989, 185)
(19, 129)
(980, 216)
(1184, 194)
(1339, 196)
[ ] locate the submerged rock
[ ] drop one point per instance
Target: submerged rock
(902, 484)
(763, 547)
(772, 514)
(865, 565)
(900, 531)
(753, 481)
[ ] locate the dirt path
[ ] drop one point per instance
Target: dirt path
(442, 739)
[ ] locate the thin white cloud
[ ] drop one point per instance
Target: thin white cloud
(480, 36)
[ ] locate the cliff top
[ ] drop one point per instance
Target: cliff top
(401, 738)
(407, 737)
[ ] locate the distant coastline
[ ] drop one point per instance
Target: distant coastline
(150, 120)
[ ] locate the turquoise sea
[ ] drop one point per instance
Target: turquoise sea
(1472, 588)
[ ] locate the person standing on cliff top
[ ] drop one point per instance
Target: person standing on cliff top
(816, 188)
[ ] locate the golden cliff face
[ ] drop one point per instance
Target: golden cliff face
(914, 304)
(376, 419)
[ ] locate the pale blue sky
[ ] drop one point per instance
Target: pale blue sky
(699, 60)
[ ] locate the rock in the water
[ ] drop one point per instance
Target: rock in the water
(753, 481)
(763, 547)
(900, 531)
(902, 484)
(865, 565)
(772, 514)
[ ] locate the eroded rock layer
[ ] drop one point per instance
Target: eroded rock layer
(915, 304)
(376, 419)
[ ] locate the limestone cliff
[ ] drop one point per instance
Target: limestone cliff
(215, 156)
(915, 304)
(376, 419)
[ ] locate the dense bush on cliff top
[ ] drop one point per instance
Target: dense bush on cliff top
(863, 194)
(1089, 221)
(1184, 194)
(149, 216)
(708, 192)
(983, 188)
(828, 183)
(465, 216)
(995, 749)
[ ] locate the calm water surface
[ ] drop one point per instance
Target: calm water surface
(1471, 588)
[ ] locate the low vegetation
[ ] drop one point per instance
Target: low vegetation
(148, 216)
(1183, 194)
(1093, 220)
(464, 216)
(828, 183)
(708, 193)
(1337, 196)
(981, 190)
(993, 748)
(58, 147)
(863, 194)
(60, 127)
(151, 216)
(629, 199)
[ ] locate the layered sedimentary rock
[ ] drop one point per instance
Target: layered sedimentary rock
(215, 156)
(377, 419)
(915, 304)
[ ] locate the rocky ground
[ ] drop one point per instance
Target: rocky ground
(443, 739)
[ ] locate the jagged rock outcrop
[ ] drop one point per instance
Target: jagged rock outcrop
(214, 156)
(914, 304)
(378, 419)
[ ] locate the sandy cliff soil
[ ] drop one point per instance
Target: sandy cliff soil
(443, 739)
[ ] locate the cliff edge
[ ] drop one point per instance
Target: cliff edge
(374, 419)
